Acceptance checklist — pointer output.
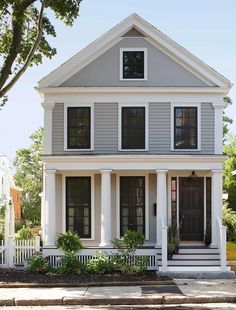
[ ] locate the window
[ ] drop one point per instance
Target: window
(133, 64)
(185, 127)
(79, 128)
(78, 205)
(132, 204)
(133, 128)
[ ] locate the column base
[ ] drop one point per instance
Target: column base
(105, 245)
(157, 246)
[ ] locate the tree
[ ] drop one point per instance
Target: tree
(24, 27)
(229, 166)
(29, 176)
(226, 119)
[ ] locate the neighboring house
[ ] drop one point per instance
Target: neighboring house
(133, 140)
(8, 189)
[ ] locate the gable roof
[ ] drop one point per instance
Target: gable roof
(114, 35)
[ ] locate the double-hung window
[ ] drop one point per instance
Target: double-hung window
(186, 131)
(133, 127)
(79, 128)
(133, 63)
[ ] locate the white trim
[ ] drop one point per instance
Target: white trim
(132, 173)
(184, 104)
(133, 49)
(81, 105)
(218, 132)
(146, 106)
(79, 174)
(47, 140)
(110, 38)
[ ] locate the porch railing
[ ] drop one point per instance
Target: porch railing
(222, 243)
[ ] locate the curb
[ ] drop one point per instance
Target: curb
(158, 300)
(97, 284)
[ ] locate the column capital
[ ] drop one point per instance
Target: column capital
(108, 171)
(219, 105)
(50, 171)
(217, 171)
(161, 171)
(48, 105)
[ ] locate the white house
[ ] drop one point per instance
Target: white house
(133, 140)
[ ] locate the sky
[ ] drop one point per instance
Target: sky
(207, 28)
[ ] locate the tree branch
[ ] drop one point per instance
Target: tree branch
(29, 57)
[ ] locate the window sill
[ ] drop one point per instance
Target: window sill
(78, 150)
(135, 80)
(133, 150)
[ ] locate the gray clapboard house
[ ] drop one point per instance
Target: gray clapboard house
(133, 140)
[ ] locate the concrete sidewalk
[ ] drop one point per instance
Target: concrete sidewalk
(185, 291)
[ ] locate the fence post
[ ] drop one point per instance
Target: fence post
(37, 243)
(10, 251)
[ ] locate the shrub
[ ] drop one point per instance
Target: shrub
(69, 242)
(1, 236)
(101, 263)
(69, 264)
(126, 259)
(229, 220)
(38, 264)
(173, 239)
(24, 233)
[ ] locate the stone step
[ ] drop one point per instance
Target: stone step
(196, 256)
(200, 250)
(189, 262)
(194, 268)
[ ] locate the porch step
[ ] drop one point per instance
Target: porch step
(198, 250)
(196, 256)
(192, 262)
(194, 268)
(192, 244)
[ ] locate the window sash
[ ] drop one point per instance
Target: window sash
(78, 205)
(185, 128)
(132, 68)
(133, 128)
(132, 204)
(78, 127)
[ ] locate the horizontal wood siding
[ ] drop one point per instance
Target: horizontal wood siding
(58, 128)
(159, 127)
(106, 127)
(207, 127)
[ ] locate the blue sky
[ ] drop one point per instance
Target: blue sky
(207, 28)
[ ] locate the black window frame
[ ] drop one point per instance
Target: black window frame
(140, 67)
(188, 128)
(85, 136)
(79, 215)
(132, 209)
(136, 138)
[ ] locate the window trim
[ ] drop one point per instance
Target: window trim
(133, 105)
(186, 105)
(78, 105)
(76, 174)
(147, 221)
(133, 49)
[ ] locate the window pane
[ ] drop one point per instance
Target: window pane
(78, 205)
(78, 127)
(133, 65)
(132, 204)
(185, 132)
(133, 128)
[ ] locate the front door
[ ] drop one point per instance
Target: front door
(191, 208)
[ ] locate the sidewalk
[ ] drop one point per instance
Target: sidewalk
(185, 291)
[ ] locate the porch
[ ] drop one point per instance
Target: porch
(187, 194)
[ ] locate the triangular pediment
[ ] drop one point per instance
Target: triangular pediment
(135, 28)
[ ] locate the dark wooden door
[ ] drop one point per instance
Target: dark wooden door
(191, 208)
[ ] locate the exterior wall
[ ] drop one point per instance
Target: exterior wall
(5, 180)
(106, 129)
(105, 70)
(16, 198)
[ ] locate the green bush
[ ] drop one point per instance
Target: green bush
(24, 233)
(126, 260)
(229, 220)
(173, 239)
(1, 236)
(101, 263)
(69, 264)
(69, 242)
(38, 264)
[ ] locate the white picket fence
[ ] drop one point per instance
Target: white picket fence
(15, 252)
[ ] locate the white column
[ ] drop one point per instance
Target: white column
(50, 208)
(105, 208)
(161, 214)
(47, 142)
(216, 205)
(218, 106)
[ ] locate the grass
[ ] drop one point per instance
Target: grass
(231, 251)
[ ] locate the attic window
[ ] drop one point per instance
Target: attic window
(133, 64)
